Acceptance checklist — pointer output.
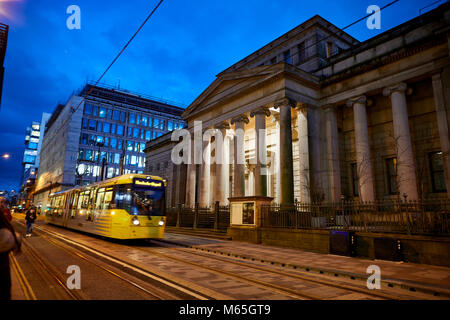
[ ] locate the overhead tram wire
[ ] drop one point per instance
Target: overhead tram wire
(111, 64)
(317, 42)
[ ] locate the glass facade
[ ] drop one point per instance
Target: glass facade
(112, 135)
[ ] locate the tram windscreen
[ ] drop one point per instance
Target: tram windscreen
(140, 201)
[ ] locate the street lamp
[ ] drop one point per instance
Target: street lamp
(6, 156)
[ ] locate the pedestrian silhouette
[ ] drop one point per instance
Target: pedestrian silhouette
(9, 241)
(30, 217)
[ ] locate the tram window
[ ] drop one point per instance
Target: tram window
(73, 211)
(85, 200)
(108, 200)
(100, 198)
(140, 202)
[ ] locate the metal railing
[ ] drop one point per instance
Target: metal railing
(217, 217)
(428, 217)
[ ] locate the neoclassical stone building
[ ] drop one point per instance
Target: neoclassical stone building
(344, 119)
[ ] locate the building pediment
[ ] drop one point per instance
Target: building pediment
(230, 85)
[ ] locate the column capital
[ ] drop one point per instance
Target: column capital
(398, 87)
(241, 118)
(261, 110)
(329, 108)
(284, 102)
(359, 99)
(223, 125)
(303, 107)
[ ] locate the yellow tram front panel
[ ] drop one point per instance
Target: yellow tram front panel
(92, 210)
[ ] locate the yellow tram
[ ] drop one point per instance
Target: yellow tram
(131, 206)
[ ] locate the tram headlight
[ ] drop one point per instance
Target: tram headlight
(161, 223)
(135, 221)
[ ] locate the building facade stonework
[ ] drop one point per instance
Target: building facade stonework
(343, 119)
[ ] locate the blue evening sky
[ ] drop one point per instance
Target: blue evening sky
(176, 56)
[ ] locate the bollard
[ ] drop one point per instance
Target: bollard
(216, 215)
(178, 215)
(195, 216)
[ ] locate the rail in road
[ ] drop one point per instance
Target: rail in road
(288, 283)
(40, 273)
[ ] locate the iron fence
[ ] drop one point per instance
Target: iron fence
(217, 217)
(428, 217)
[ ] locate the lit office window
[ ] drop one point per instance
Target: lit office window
(148, 135)
(130, 131)
(136, 147)
(149, 121)
(113, 128)
(113, 143)
(132, 119)
(106, 142)
(122, 116)
(99, 126)
(88, 155)
(120, 144)
(106, 127)
(161, 124)
(119, 130)
(138, 119)
(154, 134)
(142, 147)
(155, 123)
(92, 125)
(144, 120)
(135, 133)
(102, 112)
(169, 126)
(117, 158)
(130, 145)
(92, 139)
(88, 108)
(133, 161)
(85, 123)
(116, 115)
(100, 140)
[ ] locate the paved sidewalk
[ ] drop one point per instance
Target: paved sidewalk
(419, 274)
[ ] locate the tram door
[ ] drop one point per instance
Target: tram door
(66, 209)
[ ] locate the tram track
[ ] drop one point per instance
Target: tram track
(51, 275)
(404, 288)
(298, 275)
(183, 292)
(264, 284)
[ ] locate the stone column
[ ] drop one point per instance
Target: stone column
(239, 156)
(205, 174)
(190, 179)
(260, 171)
(406, 167)
(221, 163)
(362, 145)
(333, 153)
(285, 142)
(443, 126)
(303, 141)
